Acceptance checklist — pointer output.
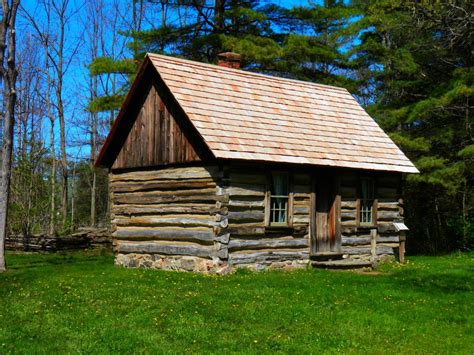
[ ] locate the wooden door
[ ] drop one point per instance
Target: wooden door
(325, 221)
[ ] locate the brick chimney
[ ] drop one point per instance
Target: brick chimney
(229, 60)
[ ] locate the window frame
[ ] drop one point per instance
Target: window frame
(268, 201)
(360, 201)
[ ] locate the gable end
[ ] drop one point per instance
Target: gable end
(151, 129)
(155, 138)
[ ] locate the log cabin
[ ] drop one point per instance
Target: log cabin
(212, 168)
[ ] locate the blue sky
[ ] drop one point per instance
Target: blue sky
(76, 79)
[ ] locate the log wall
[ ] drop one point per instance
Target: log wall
(162, 215)
(212, 219)
(356, 239)
(252, 244)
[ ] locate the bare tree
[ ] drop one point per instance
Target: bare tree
(59, 12)
(52, 219)
(26, 190)
(60, 9)
(95, 19)
(8, 77)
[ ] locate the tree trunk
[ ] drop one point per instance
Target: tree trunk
(8, 77)
(52, 229)
(95, 36)
(219, 9)
(62, 124)
(73, 207)
(52, 206)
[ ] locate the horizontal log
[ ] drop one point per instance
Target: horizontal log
(166, 248)
(168, 174)
(155, 198)
(352, 241)
(245, 244)
(365, 240)
(388, 206)
(348, 215)
(348, 230)
(161, 185)
(255, 191)
(301, 210)
(306, 203)
(387, 215)
(266, 256)
(349, 204)
(246, 216)
(380, 249)
(210, 191)
(246, 231)
(179, 234)
(234, 225)
(298, 219)
(182, 220)
(386, 228)
(300, 229)
(209, 209)
(301, 196)
(347, 223)
(247, 204)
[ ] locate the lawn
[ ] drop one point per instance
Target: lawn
(81, 303)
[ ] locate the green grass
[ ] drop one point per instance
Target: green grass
(82, 303)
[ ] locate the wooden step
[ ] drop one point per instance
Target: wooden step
(341, 264)
(326, 256)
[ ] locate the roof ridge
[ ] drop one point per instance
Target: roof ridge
(242, 72)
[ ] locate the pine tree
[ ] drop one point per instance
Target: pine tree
(419, 77)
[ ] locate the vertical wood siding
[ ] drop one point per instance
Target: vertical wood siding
(155, 138)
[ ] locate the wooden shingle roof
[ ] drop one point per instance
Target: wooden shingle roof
(248, 116)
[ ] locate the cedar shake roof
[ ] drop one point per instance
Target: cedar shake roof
(248, 116)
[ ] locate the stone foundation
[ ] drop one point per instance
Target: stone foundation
(200, 265)
(379, 258)
(221, 267)
(275, 265)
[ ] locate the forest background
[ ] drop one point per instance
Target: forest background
(409, 63)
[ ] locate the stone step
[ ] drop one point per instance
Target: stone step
(341, 264)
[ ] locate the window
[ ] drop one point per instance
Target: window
(366, 201)
(279, 200)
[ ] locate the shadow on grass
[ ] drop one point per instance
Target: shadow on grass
(447, 277)
(435, 282)
(18, 261)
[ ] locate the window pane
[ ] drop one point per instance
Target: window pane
(279, 208)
